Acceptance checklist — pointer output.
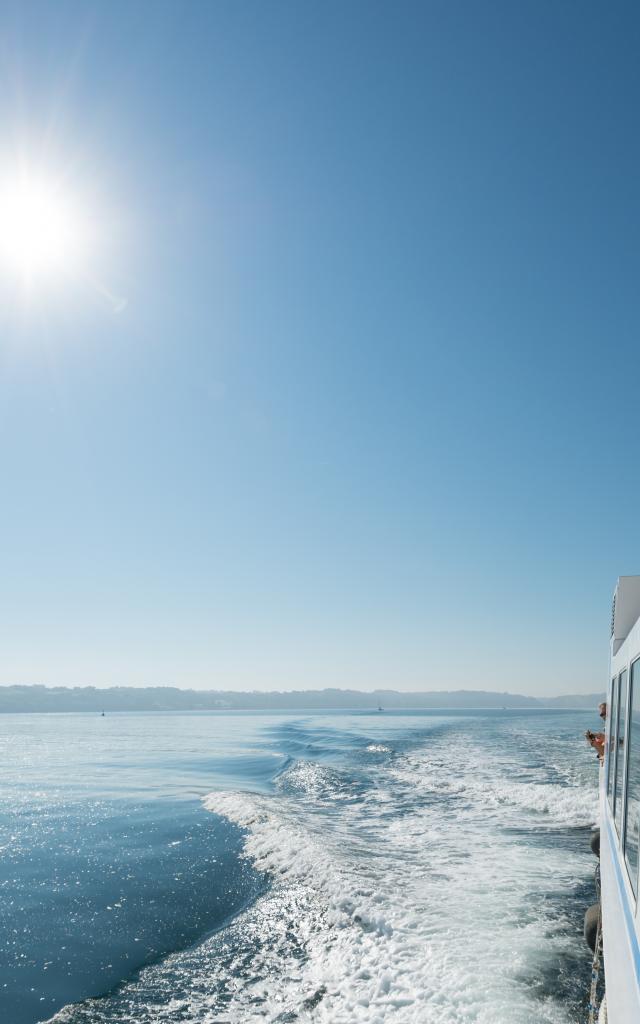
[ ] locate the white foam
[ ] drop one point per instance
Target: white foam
(435, 915)
(417, 901)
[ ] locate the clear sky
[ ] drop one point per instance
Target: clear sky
(345, 392)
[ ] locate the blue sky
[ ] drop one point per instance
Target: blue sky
(349, 397)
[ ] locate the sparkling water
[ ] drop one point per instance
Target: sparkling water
(388, 868)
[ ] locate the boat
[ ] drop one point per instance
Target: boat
(618, 916)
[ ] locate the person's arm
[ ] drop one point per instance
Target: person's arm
(596, 740)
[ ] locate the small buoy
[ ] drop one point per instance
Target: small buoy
(591, 925)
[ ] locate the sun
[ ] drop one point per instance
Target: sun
(41, 229)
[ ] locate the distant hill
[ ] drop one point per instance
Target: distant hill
(169, 698)
(574, 700)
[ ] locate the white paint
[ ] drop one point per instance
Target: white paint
(623, 995)
(626, 609)
(621, 931)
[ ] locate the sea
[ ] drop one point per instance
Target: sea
(228, 868)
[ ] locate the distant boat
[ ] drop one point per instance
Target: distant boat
(379, 708)
(102, 715)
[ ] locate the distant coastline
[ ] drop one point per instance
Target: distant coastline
(39, 698)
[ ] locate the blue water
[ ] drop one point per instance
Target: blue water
(253, 867)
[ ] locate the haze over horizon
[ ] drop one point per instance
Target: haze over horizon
(336, 397)
(90, 699)
(279, 691)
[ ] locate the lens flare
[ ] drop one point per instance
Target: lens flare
(41, 230)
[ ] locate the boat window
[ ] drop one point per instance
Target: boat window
(618, 797)
(607, 742)
(613, 724)
(632, 818)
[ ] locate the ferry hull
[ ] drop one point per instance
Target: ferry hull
(621, 952)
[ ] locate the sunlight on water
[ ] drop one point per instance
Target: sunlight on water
(388, 869)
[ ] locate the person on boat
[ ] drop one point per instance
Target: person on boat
(596, 740)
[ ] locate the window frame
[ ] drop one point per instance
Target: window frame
(613, 741)
(620, 791)
(634, 882)
(608, 736)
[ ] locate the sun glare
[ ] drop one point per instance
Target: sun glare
(41, 231)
